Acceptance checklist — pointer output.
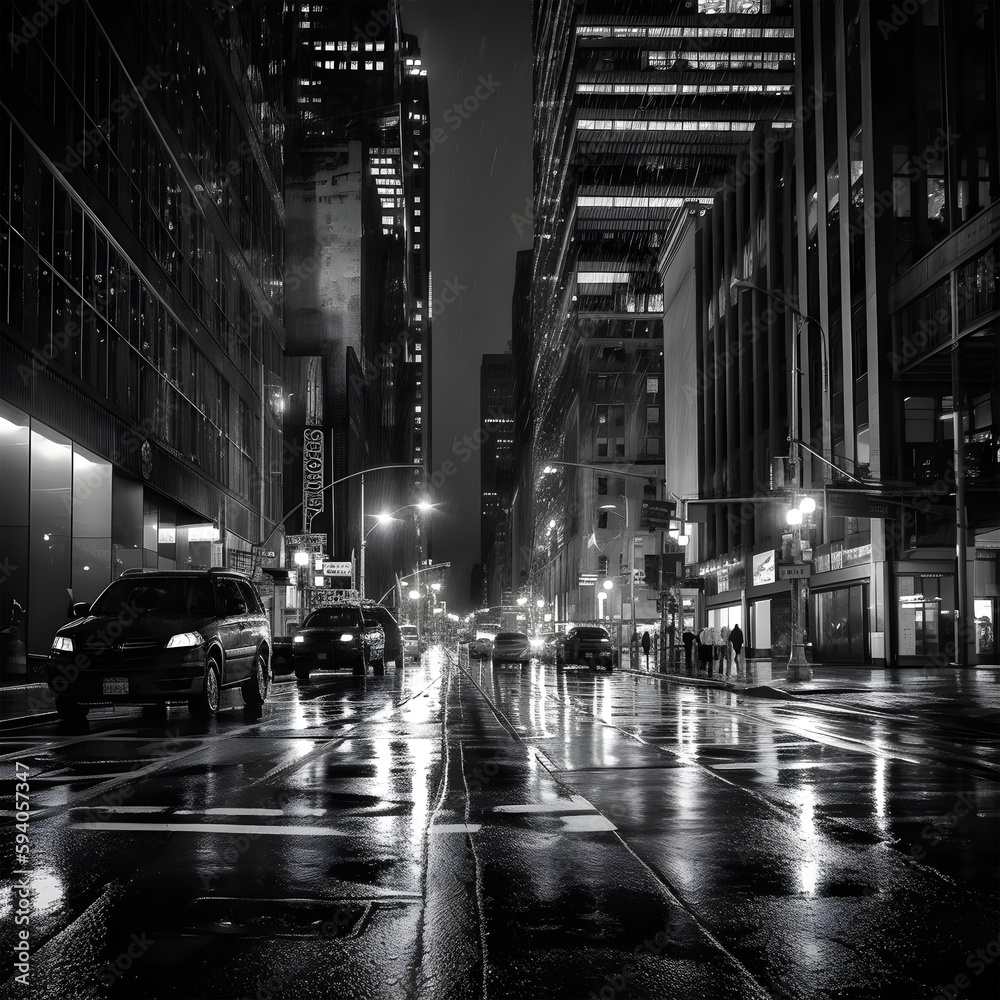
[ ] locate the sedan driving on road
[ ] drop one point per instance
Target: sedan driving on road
(590, 645)
(336, 637)
(511, 647)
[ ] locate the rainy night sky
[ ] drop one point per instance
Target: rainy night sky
(480, 192)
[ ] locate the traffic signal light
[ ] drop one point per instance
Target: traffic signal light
(652, 570)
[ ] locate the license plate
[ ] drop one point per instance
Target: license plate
(321, 656)
(115, 685)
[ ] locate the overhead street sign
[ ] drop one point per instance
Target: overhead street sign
(853, 503)
(657, 514)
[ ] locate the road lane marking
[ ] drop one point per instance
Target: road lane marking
(284, 831)
(70, 778)
(587, 823)
(121, 809)
(455, 827)
(576, 804)
(237, 811)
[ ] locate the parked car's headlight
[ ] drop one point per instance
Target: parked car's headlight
(183, 640)
(536, 643)
(62, 644)
(605, 640)
(298, 638)
(346, 636)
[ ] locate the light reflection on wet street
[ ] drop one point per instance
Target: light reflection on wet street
(459, 830)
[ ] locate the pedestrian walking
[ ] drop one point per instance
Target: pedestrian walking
(736, 638)
(725, 651)
(708, 638)
(646, 643)
(689, 639)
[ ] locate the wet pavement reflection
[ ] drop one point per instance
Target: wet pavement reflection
(456, 829)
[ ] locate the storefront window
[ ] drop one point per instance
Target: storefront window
(927, 617)
(51, 505)
(838, 629)
(985, 628)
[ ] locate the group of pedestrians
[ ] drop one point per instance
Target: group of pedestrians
(717, 650)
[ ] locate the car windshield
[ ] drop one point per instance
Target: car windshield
(332, 618)
(590, 633)
(509, 636)
(141, 595)
(408, 629)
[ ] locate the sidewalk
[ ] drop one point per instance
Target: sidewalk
(25, 702)
(971, 693)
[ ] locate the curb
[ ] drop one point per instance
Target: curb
(19, 716)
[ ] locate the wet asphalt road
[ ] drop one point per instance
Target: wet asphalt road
(457, 830)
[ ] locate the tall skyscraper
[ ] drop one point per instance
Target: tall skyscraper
(854, 364)
(641, 108)
(358, 293)
(496, 404)
(141, 237)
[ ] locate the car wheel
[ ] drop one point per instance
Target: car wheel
(206, 703)
(302, 671)
(255, 687)
(379, 666)
(70, 709)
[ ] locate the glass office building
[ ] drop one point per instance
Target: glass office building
(141, 235)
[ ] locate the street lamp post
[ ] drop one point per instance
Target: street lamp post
(631, 572)
(798, 669)
(383, 518)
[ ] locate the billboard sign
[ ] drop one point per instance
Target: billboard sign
(313, 473)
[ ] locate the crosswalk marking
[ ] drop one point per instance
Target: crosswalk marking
(285, 831)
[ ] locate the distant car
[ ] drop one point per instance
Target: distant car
(511, 647)
(411, 641)
(393, 633)
(589, 645)
(153, 637)
(479, 649)
(336, 637)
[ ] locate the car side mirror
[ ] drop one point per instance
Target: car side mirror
(81, 609)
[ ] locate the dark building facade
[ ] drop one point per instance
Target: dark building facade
(358, 292)
(496, 405)
(641, 108)
(870, 235)
(141, 260)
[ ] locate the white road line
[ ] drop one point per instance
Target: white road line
(120, 809)
(454, 828)
(585, 823)
(70, 779)
(237, 811)
(283, 831)
(576, 804)
(223, 811)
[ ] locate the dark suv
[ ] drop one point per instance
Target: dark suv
(587, 644)
(338, 636)
(154, 637)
